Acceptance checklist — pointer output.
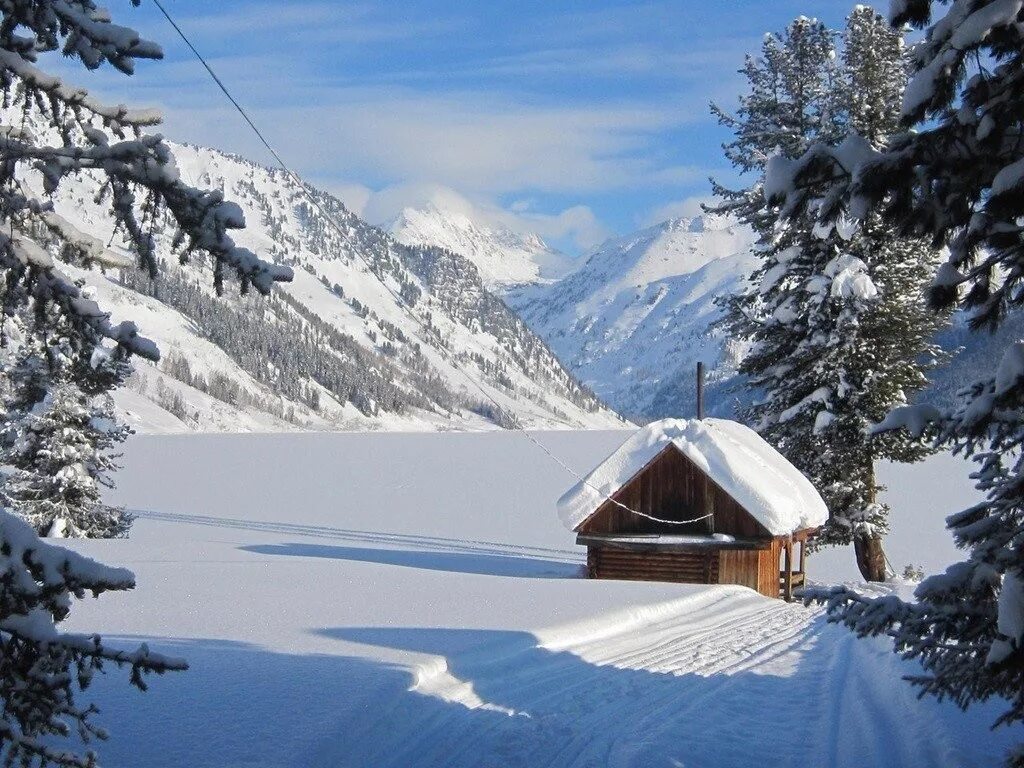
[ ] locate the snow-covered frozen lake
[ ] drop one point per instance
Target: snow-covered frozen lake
(412, 600)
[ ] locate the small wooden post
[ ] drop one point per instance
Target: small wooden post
(700, 390)
(803, 556)
(787, 575)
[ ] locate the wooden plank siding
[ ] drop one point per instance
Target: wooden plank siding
(754, 568)
(672, 487)
(740, 566)
(696, 567)
(768, 568)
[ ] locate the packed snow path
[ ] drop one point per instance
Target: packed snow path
(714, 679)
(412, 600)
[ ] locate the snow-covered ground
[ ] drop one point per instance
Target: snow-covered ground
(413, 600)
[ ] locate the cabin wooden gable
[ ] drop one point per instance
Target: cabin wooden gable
(670, 486)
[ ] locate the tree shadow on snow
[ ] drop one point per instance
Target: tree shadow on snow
(415, 541)
(480, 563)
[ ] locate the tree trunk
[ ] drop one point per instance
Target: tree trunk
(870, 556)
(868, 546)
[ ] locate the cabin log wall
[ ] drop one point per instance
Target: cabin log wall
(768, 568)
(673, 488)
(697, 567)
(740, 566)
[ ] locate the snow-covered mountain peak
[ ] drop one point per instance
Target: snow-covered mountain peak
(663, 251)
(503, 257)
(635, 317)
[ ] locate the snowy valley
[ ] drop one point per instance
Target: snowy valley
(630, 318)
(370, 474)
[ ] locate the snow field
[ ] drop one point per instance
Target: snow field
(412, 600)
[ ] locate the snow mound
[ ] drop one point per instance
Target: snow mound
(747, 468)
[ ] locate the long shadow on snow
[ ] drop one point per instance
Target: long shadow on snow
(468, 546)
(432, 560)
(496, 700)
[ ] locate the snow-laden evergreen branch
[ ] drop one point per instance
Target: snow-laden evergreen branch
(135, 171)
(42, 668)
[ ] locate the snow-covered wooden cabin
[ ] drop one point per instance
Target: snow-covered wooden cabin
(716, 504)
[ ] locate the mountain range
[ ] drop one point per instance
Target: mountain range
(371, 334)
(431, 321)
(632, 317)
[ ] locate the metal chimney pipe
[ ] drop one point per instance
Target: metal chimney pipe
(700, 390)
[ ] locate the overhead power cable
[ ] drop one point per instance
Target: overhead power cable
(303, 187)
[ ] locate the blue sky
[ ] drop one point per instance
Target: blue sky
(573, 119)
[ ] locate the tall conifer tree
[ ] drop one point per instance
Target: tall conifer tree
(954, 175)
(837, 318)
(41, 667)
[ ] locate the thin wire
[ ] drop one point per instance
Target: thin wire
(517, 427)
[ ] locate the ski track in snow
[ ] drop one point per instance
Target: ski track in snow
(723, 677)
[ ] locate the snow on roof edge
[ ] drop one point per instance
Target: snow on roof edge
(735, 457)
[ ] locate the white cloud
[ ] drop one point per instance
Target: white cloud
(476, 140)
(311, 23)
(354, 196)
(491, 142)
(687, 208)
(576, 223)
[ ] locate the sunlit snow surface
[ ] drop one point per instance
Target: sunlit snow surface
(412, 600)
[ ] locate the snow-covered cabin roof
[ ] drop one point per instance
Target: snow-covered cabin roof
(735, 457)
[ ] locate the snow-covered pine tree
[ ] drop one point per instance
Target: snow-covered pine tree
(837, 319)
(957, 178)
(790, 102)
(881, 335)
(60, 429)
(62, 458)
(42, 668)
(26, 377)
